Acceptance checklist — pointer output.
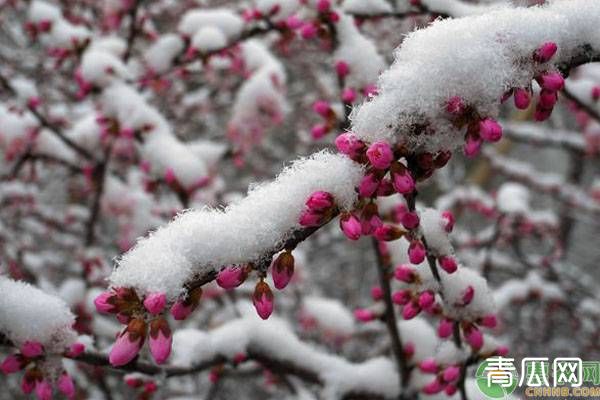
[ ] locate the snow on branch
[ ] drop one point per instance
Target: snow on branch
(477, 61)
(198, 242)
(536, 134)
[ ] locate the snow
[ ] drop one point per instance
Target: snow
(330, 315)
(224, 20)
(520, 289)
(458, 8)
(432, 225)
(477, 58)
(366, 7)
(513, 198)
(197, 242)
(29, 314)
(160, 55)
(209, 39)
(62, 33)
(420, 333)
(453, 288)
(275, 340)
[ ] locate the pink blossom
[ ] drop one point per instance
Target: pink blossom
(541, 114)
(468, 294)
(387, 233)
(364, 315)
(448, 264)
(28, 383)
(293, 22)
(596, 93)
(416, 252)
(429, 366)
(552, 81)
(502, 351)
(263, 300)
(404, 273)
(451, 373)
(545, 52)
(76, 349)
(323, 6)
(322, 108)
(351, 226)
(43, 390)
(490, 130)
(348, 95)
(155, 303)
(368, 185)
(349, 144)
(308, 31)
(170, 177)
(433, 387)
(450, 389)
(128, 343)
(403, 182)
(410, 220)
(522, 98)
(472, 145)
(426, 299)
(103, 302)
(449, 221)
(12, 364)
(456, 106)
(489, 321)
(445, 328)
(32, 349)
(160, 340)
(310, 218)
(401, 297)
(376, 293)
(548, 99)
(474, 337)
(66, 386)
(320, 201)
(231, 277)
(410, 310)
(282, 270)
(318, 131)
(342, 69)
(380, 155)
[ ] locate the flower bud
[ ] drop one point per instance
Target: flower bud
(402, 180)
(369, 219)
(410, 220)
(450, 389)
(428, 366)
(416, 252)
(456, 106)
(348, 95)
(548, 99)
(350, 145)
(310, 218)
(380, 155)
(401, 297)
(449, 221)
(231, 277)
(66, 386)
(128, 343)
(318, 131)
(467, 296)
(368, 185)
(490, 130)
(32, 349)
(104, 302)
(541, 114)
(160, 340)
(472, 145)
(76, 349)
(376, 293)
(364, 315)
(351, 226)
(451, 373)
(545, 52)
(596, 93)
(43, 390)
(320, 201)
(388, 233)
(474, 337)
(445, 328)
(552, 81)
(489, 321)
(263, 299)
(433, 387)
(448, 264)
(155, 303)
(522, 98)
(308, 31)
(426, 299)
(322, 108)
(282, 270)
(404, 273)
(323, 6)
(342, 69)
(183, 308)
(12, 364)
(410, 310)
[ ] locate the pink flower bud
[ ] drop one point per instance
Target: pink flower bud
(150, 387)
(351, 226)
(318, 131)
(128, 343)
(239, 358)
(282, 270)
(451, 373)
(66, 386)
(468, 294)
(403, 182)
(364, 315)
(342, 69)
(426, 299)
(133, 382)
(368, 185)
(12, 364)
(489, 321)
(320, 201)
(32, 349)
(450, 389)
(502, 351)
(386, 188)
(548, 99)
(28, 383)
(552, 81)
(160, 340)
(348, 95)
(445, 328)
(428, 366)
(456, 106)
(323, 6)
(416, 252)
(103, 302)
(433, 387)
(474, 337)
(410, 220)
(76, 349)
(170, 177)
(308, 31)
(410, 311)
(472, 145)
(376, 293)
(263, 300)
(404, 273)
(522, 98)
(349, 144)
(541, 114)
(380, 155)
(43, 390)
(322, 108)
(490, 130)
(34, 102)
(409, 350)
(387, 233)
(596, 93)
(545, 52)
(293, 22)
(401, 297)
(231, 277)
(311, 218)
(155, 303)
(449, 221)
(448, 264)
